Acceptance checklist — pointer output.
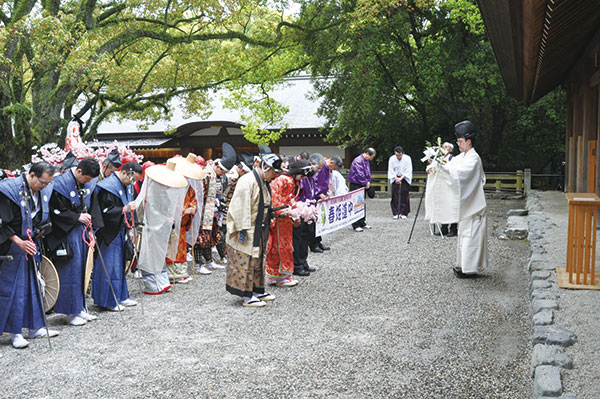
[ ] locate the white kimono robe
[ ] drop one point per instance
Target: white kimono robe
(160, 208)
(466, 171)
(400, 167)
(337, 184)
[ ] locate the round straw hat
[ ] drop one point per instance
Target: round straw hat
(166, 175)
(188, 167)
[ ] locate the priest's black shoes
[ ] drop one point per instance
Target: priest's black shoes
(324, 247)
(459, 273)
(316, 249)
(301, 272)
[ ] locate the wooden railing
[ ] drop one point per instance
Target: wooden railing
(498, 182)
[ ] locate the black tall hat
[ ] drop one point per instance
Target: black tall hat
(264, 149)
(465, 129)
(227, 160)
(114, 158)
(69, 161)
(245, 161)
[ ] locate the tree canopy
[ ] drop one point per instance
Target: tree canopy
(405, 71)
(398, 72)
(93, 59)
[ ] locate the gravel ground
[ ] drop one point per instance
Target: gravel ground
(578, 308)
(380, 318)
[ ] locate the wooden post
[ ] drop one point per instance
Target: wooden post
(527, 180)
(591, 166)
(519, 183)
(581, 238)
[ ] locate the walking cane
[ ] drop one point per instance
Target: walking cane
(417, 214)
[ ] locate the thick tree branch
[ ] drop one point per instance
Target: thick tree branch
(110, 12)
(147, 74)
(21, 9)
(127, 37)
(86, 13)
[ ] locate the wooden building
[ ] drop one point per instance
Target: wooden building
(205, 136)
(541, 44)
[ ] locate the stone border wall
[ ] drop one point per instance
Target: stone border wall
(549, 339)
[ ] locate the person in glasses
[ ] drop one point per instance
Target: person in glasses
(24, 209)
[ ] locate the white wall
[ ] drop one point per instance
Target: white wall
(327, 150)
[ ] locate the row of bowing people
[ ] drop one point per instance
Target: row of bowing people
(96, 221)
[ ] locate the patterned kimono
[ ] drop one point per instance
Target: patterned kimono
(186, 224)
(209, 234)
(280, 250)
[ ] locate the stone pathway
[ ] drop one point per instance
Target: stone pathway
(380, 318)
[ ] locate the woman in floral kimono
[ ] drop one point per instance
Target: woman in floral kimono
(210, 234)
(280, 250)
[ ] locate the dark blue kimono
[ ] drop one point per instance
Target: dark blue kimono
(111, 196)
(20, 306)
(65, 210)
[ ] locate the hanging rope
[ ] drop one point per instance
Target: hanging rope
(30, 240)
(89, 237)
(130, 225)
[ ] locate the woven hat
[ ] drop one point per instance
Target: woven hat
(188, 167)
(166, 175)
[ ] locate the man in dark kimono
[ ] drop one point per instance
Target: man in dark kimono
(69, 212)
(114, 202)
(23, 210)
(110, 164)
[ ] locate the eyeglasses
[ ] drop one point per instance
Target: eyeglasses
(43, 183)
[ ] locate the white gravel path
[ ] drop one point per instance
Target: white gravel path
(380, 318)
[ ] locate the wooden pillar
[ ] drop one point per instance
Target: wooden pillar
(569, 164)
(597, 182)
(580, 181)
(591, 166)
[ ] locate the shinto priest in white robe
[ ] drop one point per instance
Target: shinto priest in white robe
(454, 194)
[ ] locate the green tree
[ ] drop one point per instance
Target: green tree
(96, 59)
(405, 71)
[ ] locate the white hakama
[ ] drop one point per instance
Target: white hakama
(472, 254)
